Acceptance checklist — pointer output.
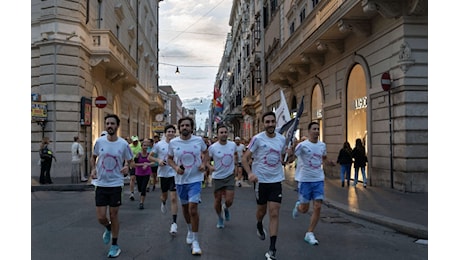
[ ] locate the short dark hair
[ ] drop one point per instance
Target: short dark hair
(75, 138)
(117, 119)
(192, 123)
(311, 124)
(170, 126)
(269, 113)
(219, 126)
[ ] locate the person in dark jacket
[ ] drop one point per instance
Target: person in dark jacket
(46, 157)
(345, 160)
(360, 160)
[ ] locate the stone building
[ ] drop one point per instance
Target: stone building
(87, 50)
(333, 54)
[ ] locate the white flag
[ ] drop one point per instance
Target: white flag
(282, 112)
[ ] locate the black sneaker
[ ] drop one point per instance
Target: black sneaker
(261, 233)
(141, 205)
(270, 255)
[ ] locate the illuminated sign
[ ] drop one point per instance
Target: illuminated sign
(360, 103)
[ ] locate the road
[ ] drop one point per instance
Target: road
(64, 226)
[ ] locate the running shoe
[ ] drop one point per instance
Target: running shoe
(173, 229)
(131, 197)
(107, 236)
(141, 205)
(220, 223)
(310, 238)
(295, 212)
(114, 251)
(196, 250)
(261, 233)
(163, 208)
(189, 239)
(270, 255)
(225, 213)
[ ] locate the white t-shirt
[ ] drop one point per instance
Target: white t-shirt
(161, 149)
(110, 158)
(240, 149)
(224, 159)
(309, 161)
(188, 154)
(267, 153)
(77, 152)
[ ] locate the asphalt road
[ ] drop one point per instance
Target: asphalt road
(64, 226)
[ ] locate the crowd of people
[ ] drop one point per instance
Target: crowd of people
(183, 163)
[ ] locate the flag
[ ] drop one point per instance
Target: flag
(286, 126)
(217, 101)
(293, 128)
(282, 113)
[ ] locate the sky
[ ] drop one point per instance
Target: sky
(192, 37)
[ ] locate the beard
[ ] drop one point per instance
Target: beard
(270, 129)
(185, 132)
(111, 131)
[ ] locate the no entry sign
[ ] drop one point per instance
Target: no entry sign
(386, 81)
(100, 102)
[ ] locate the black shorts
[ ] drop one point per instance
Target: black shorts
(108, 196)
(167, 184)
(132, 171)
(154, 169)
(268, 192)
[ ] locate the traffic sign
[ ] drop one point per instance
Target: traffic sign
(386, 81)
(100, 102)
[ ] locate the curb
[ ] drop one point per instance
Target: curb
(408, 228)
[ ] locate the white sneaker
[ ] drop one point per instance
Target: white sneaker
(163, 208)
(310, 238)
(196, 250)
(173, 230)
(189, 239)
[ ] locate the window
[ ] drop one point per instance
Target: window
(314, 2)
(302, 15)
(291, 28)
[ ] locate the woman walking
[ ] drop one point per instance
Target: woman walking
(345, 160)
(359, 155)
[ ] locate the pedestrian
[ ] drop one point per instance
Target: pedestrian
(77, 155)
(167, 175)
(188, 156)
(206, 179)
(135, 149)
(345, 160)
(309, 174)
(240, 149)
(360, 161)
(225, 156)
(154, 176)
(266, 150)
(143, 170)
(108, 173)
(46, 160)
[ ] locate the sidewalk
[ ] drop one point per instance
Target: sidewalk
(404, 212)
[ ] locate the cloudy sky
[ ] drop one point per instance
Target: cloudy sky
(192, 37)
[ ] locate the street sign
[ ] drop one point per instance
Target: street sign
(386, 81)
(100, 102)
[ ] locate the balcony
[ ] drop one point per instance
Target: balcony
(108, 53)
(157, 105)
(250, 104)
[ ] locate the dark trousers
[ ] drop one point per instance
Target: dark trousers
(45, 169)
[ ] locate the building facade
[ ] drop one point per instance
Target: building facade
(334, 55)
(88, 51)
